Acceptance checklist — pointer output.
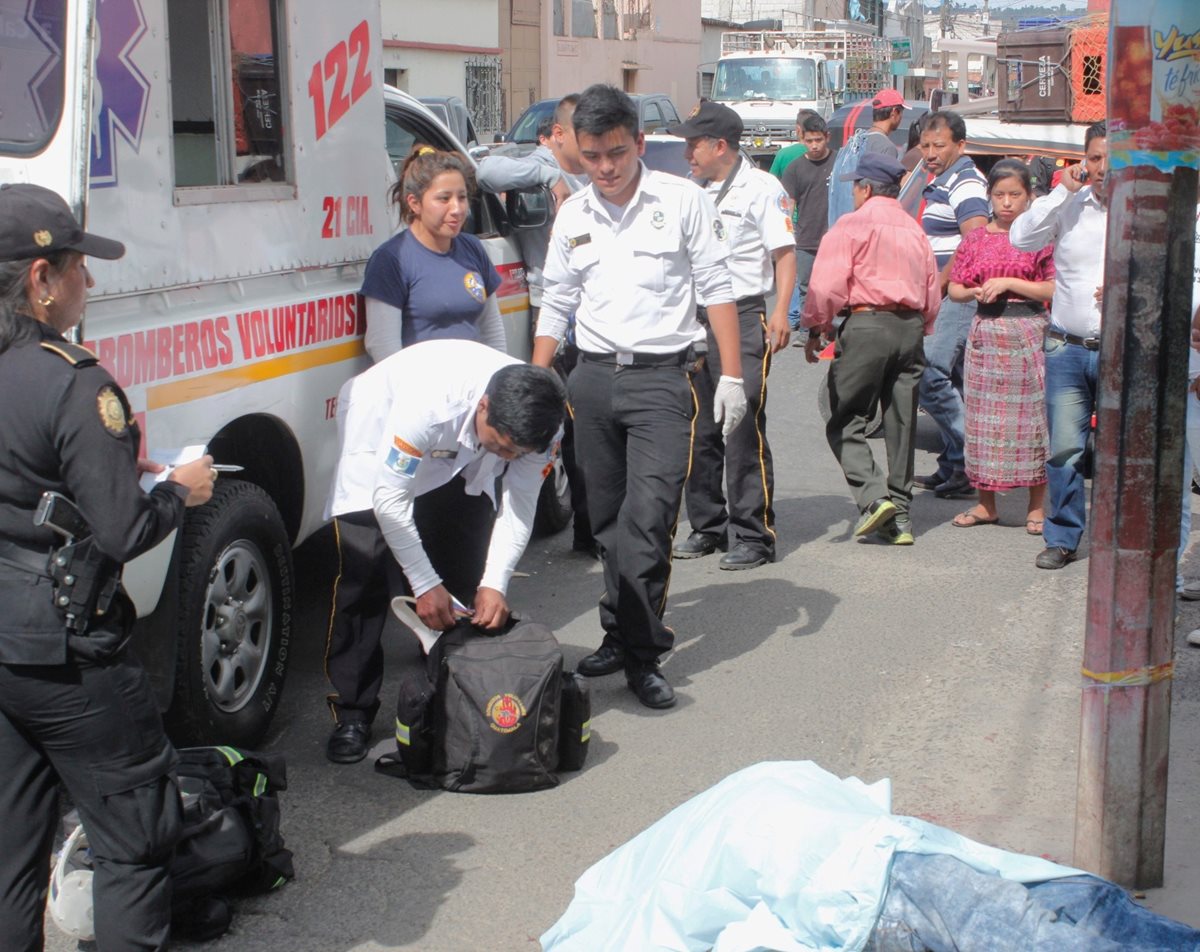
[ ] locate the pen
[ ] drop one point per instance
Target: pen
(227, 467)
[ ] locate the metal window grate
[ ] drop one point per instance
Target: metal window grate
(485, 100)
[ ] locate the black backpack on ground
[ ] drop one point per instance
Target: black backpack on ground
(231, 842)
(493, 714)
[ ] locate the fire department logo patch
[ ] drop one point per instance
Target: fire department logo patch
(112, 411)
(504, 713)
(474, 285)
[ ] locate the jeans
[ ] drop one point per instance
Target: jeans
(939, 903)
(1191, 445)
(941, 384)
(1070, 401)
(804, 266)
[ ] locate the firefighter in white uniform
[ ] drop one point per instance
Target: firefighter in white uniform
(626, 254)
(756, 213)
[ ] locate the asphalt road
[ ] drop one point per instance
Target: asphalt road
(950, 667)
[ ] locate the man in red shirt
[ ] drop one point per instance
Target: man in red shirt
(874, 264)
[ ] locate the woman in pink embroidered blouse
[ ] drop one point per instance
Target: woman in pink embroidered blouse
(1004, 371)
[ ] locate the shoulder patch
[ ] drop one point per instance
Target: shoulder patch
(74, 354)
(112, 410)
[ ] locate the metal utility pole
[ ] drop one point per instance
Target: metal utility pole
(984, 18)
(1120, 819)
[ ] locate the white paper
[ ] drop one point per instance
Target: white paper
(170, 459)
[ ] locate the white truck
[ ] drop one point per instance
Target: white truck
(767, 76)
(240, 149)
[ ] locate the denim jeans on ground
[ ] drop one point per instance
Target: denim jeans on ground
(940, 904)
(1070, 401)
(940, 397)
(804, 266)
(1191, 445)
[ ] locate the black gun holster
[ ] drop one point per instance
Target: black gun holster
(85, 581)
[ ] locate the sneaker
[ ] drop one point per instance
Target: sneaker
(875, 515)
(897, 531)
(1190, 591)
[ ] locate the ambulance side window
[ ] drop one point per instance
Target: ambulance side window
(33, 87)
(227, 100)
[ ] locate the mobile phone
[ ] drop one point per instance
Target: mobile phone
(1083, 176)
(55, 511)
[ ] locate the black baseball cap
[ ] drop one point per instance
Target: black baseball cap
(876, 167)
(35, 222)
(710, 119)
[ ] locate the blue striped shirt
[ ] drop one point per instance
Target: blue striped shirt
(955, 196)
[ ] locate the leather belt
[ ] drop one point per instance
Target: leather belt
(859, 308)
(633, 359)
(1091, 343)
(28, 560)
(1011, 308)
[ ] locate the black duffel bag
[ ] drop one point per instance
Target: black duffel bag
(491, 714)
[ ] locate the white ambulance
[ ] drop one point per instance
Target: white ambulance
(240, 150)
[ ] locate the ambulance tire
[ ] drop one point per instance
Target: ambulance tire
(235, 611)
(874, 428)
(554, 502)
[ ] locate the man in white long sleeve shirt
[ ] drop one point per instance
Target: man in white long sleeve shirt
(425, 436)
(554, 165)
(1074, 218)
(627, 257)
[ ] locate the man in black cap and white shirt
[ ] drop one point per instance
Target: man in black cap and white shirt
(756, 213)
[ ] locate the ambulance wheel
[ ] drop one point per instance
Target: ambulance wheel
(554, 502)
(873, 428)
(235, 595)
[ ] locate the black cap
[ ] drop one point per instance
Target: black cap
(876, 167)
(35, 222)
(710, 119)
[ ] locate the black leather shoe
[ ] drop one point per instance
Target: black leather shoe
(651, 688)
(349, 742)
(1054, 557)
(694, 546)
(741, 556)
(607, 659)
(954, 487)
(932, 481)
(587, 545)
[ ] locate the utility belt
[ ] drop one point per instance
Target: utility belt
(1012, 307)
(755, 304)
(1091, 343)
(84, 579)
(621, 359)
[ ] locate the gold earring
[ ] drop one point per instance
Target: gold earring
(47, 300)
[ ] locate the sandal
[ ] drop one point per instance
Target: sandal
(1034, 526)
(968, 520)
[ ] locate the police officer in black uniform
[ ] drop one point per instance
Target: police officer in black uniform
(75, 706)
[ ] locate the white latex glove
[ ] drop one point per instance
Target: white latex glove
(729, 403)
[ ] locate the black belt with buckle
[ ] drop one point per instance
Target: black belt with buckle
(1091, 343)
(633, 359)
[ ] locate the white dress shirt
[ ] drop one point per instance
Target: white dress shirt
(631, 275)
(757, 215)
(407, 426)
(1077, 224)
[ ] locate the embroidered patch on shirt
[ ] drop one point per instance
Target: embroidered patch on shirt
(785, 205)
(474, 285)
(112, 411)
(403, 458)
(719, 230)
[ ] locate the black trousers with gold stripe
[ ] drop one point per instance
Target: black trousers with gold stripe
(455, 530)
(743, 462)
(633, 427)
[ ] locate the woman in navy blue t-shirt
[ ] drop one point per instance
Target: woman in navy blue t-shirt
(430, 281)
